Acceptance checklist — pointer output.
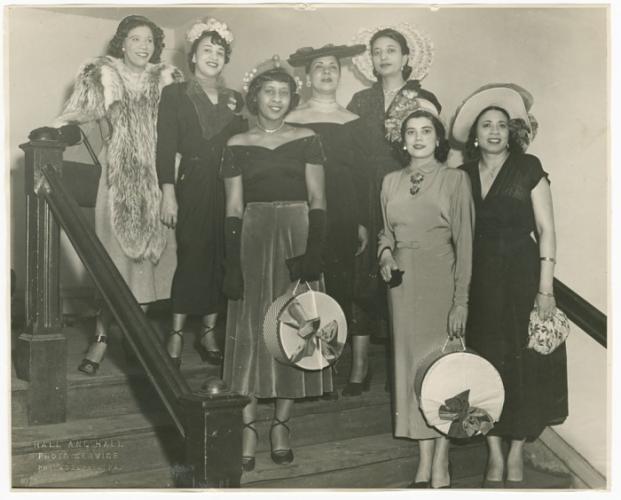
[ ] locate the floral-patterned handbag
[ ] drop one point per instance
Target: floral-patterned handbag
(545, 336)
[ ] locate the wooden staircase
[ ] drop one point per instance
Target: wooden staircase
(117, 434)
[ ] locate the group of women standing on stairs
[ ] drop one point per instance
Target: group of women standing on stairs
(353, 195)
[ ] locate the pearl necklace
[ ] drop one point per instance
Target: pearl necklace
(270, 130)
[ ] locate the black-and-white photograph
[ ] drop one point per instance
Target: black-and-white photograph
(316, 246)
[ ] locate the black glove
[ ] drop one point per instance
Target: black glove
(233, 286)
(312, 264)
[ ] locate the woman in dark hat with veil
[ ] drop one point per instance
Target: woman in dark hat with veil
(343, 138)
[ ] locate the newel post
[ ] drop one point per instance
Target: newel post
(213, 441)
(40, 353)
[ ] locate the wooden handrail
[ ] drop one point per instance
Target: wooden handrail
(135, 326)
(582, 313)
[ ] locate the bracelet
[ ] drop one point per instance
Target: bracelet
(550, 259)
(546, 294)
(379, 257)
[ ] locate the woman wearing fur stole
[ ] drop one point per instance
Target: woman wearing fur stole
(122, 90)
(195, 119)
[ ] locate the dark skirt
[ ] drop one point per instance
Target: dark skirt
(504, 284)
(197, 284)
(271, 234)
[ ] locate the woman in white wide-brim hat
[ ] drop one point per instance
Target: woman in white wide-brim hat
(512, 271)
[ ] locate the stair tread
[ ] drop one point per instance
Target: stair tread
(107, 426)
(332, 462)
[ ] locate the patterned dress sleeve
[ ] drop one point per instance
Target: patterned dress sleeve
(534, 171)
(313, 152)
(167, 135)
(228, 167)
(386, 236)
(87, 101)
(462, 229)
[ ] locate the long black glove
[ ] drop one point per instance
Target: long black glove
(312, 264)
(233, 286)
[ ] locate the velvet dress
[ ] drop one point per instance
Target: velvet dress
(274, 229)
(505, 281)
(190, 124)
(430, 235)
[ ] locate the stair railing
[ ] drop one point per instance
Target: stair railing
(209, 423)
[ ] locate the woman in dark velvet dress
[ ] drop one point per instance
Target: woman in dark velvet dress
(344, 140)
(397, 71)
(274, 183)
(196, 119)
(513, 270)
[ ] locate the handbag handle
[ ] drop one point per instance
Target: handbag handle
(89, 148)
(448, 339)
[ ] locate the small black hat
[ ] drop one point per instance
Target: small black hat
(305, 55)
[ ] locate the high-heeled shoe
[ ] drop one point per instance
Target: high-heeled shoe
(280, 457)
(89, 366)
(420, 484)
(248, 461)
(176, 359)
(213, 356)
(357, 388)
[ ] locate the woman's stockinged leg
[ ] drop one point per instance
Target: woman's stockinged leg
(174, 344)
(515, 461)
(426, 449)
(360, 358)
(249, 436)
(495, 460)
(279, 434)
(440, 474)
(208, 340)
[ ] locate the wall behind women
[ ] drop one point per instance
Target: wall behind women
(558, 54)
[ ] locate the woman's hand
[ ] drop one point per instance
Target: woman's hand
(363, 239)
(458, 315)
(168, 206)
(387, 264)
(545, 306)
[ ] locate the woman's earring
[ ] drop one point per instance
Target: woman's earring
(405, 148)
(308, 82)
(476, 142)
(437, 143)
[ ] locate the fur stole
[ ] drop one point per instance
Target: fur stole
(105, 88)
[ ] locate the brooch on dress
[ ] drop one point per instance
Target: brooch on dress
(416, 180)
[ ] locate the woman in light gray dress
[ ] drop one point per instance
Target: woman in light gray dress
(428, 222)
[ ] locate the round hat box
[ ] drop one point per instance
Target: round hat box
(444, 375)
(306, 330)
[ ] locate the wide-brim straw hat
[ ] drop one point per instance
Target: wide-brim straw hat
(512, 98)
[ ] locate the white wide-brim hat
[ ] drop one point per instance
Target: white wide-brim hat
(505, 97)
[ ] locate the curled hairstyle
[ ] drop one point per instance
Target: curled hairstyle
(271, 75)
(472, 152)
(115, 47)
(400, 39)
(441, 151)
(216, 39)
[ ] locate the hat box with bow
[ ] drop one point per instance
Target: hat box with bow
(459, 393)
(305, 329)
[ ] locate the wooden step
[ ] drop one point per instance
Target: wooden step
(377, 461)
(43, 454)
(121, 387)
